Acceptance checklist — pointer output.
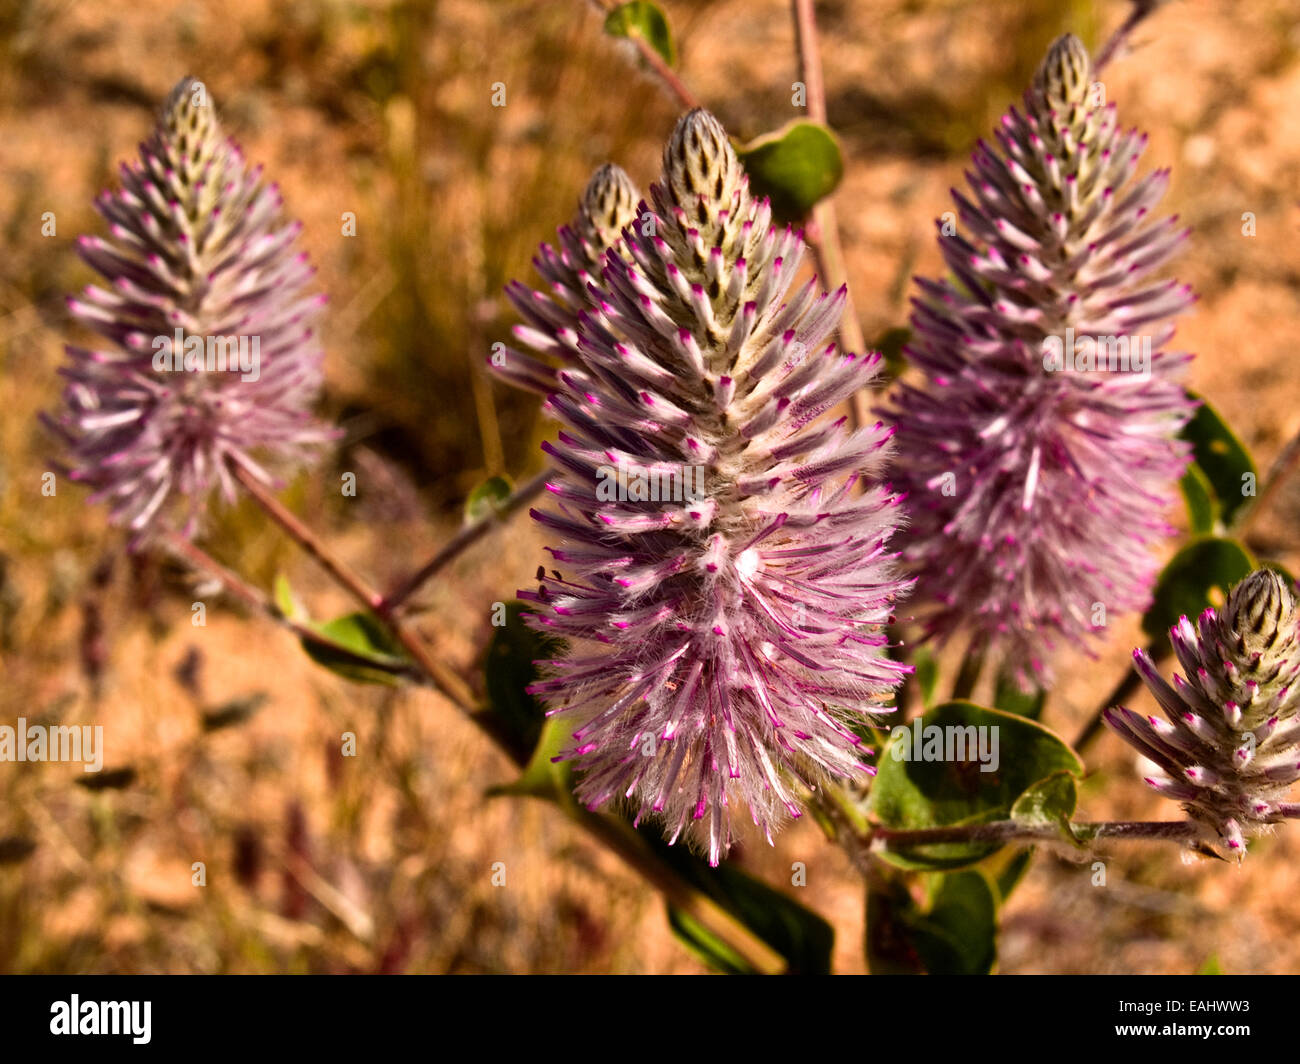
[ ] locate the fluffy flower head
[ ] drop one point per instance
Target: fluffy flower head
(725, 546)
(1040, 451)
(1230, 746)
(214, 354)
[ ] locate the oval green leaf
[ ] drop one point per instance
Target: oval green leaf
(1222, 457)
(794, 167)
(647, 21)
(509, 667)
(1203, 509)
(359, 648)
(1008, 695)
(956, 936)
(964, 785)
(487, 499)
(1193, 576)
(801, 936)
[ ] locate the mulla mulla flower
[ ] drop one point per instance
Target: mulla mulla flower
(728, 574)
(215, 354)
(1230, 748)
(608, 204)
(1040, 452)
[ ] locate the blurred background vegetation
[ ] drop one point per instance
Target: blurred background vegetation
(229, 739)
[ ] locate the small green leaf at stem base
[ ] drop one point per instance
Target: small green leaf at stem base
(647, 21)
(1051, 800)
(487, 498)
(359, 648)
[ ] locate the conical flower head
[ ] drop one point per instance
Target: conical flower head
(727, 573)
(608, 204)
(1230, 747)
(1040, 451)
(215, 354)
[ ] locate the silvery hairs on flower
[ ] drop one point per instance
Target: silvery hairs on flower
(1230, 748)
(215, 349)
(722, 647)
(1036, 485)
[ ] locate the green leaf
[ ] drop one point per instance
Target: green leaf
(890, 343)
(705, 946)
(1011, 872)
(911, 792)
(509, 668)
(1190, 580)
(956, 936)
(1008, 696)
(487, 498)
(1222, 457)
(802, 937)
(959, 934)
(1203, 508)
(358, 647)
(927, 674)
(1211, 966)
(236, 711)
(1051, 800)
(543, 776)
(795, 167)
(286, 601)
(889, 943)
(797, 933)
(646, 20)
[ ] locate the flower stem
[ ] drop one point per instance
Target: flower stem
(624, 841)
(1141, 9)
(1008, 830)
(342, 573)
(200, 560)
(466, 537)
(444, 679)
(656, 63)
(824, 231)
(1130, 683)
(621, 840)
